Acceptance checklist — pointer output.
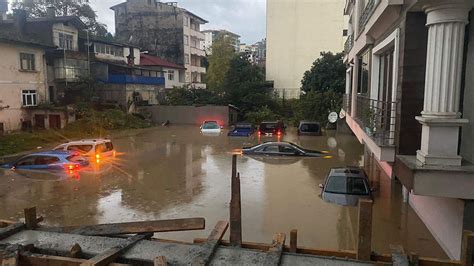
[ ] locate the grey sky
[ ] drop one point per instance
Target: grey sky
(243, 17)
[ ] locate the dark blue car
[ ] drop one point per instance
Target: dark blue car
(49, 160)
(242, 130)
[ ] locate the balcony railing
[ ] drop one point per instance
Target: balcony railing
(349, 43)
(377, 119)
(347, 102)
(367, 13)
(132, 79)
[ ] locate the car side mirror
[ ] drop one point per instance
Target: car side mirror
(321, 186)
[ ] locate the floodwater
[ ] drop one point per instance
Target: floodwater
(175, 172)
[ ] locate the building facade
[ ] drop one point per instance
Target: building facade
(211, 35)
(173, 74)
(164, 30)
(297, 32)
(409, 95)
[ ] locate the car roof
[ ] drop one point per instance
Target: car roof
(51, 153)
(348, 172)
(309, 122)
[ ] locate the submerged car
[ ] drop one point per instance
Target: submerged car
(345, 186)
(49, 160)
(271, 128)
(241, 130)
(211, 127)
(282, 149)
(91, 148)
(309, 128)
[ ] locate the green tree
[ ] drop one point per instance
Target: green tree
(316, 105)
(327, 73)
(219, 61)
(80, 8)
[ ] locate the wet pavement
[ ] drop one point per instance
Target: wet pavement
(175, 172)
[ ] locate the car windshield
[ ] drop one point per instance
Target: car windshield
(346, 185)
(268, 126)
(312, 127)
(210, 125)
(104, 147)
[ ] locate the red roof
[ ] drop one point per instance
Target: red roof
(150, 60)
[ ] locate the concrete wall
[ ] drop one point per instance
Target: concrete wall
(444, 219)
(191, 114)
(297, 32)
(467, 137)
(123, 94)
(13, 81)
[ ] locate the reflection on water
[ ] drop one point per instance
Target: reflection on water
(176, 172)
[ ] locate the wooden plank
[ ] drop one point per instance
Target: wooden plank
(399, 258)
(467, 248)
(414, 259)
(48, 260)
(30, 218)
(235, 207)
(364, 232)
(293, 240)
(210, 246)
(11, 229)
(160, 261)
(422, 261)
(273, 256)
(111, 254)
(132, 227)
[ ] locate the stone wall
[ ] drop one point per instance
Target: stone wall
(192, 115)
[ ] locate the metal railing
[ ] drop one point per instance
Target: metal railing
(347, 102)
(349, 43)
(377, 119)
(367, 13)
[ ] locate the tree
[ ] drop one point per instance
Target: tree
(80, 8)
(316, 105)
(219, 61)
(327, 73)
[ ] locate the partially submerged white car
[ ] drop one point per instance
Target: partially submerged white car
(211, 127)
(94, 149)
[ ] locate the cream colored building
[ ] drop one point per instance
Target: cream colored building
(297, 32)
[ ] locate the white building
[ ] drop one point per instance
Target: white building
(211, 35)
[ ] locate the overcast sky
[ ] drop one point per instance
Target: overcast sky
(244, 17)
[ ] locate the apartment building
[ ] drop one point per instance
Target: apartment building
(409, 98)
(211, 35)
(164, 30)
(297, 32)
(172, 73)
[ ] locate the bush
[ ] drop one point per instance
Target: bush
(264, 114)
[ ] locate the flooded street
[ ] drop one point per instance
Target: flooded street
(176, 172)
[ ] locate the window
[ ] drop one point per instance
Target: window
(186, 21)
(26, 161)
(45, 160)
(149, 2)
(170, 74)
(271, 148)
(364, 73)
(186, 59)
(27, 61)
(287, 149)
(186, 40)
(347, 185)
(344, 33)
(29, 97)
(65, 41)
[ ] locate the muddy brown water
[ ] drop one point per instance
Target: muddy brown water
(175, 172)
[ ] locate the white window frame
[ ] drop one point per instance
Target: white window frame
(30, 66)
(65, 44)
(29, 98)
(171, 75)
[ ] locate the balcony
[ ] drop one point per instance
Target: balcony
(377, 119)
(132, 79)
(349, 43)
(197, 69)
(197, 51)
(367, 13)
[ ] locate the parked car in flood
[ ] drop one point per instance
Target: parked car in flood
(242, 130)
(309, 128)
(282, 149)
(49, 160)
(271, 128)
(91, 148)
(211, 127)
(345, 186)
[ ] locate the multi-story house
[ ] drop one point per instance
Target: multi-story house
(297, 32)
(409, 98)
(211, 35)
(164, 30)
(172, 73)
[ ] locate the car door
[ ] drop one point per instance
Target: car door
(271, 150)
(25, 163)
(287, 150)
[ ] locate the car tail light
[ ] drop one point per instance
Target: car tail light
(71, 166)
(97, 156)
(259, 133)
(278, 132)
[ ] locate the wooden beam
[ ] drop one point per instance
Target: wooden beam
(111, 254)
(210, 246)
(399, 258)
(160, 261)
(76, 251)
(235, 207)
(132, 227)
(48, 260)
(414, 259)
(276, 250)
(364, 232)
(11, 229)
(30, 218)
(293, 240)
(467, 248)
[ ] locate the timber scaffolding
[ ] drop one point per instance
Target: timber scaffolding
(132, 243)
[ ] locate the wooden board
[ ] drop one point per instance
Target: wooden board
(11, 229)
(131, 227)
(276, 250)
(210, 246)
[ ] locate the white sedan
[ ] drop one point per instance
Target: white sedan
(211, 127)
